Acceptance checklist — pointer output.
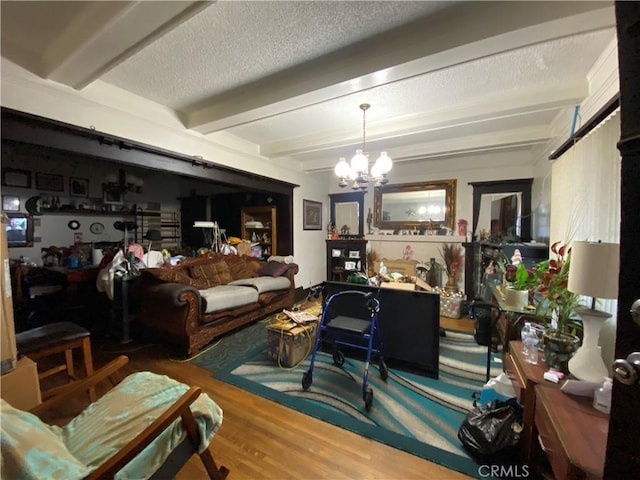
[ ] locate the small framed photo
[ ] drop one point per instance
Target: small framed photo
(10, 203)
(311, 215)
(51, 182)
(354, 254)
(336, 252)
(349, 265)
(78, 187)
(13, 177)
(112, 197)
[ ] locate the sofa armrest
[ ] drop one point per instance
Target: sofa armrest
(291, 271)
(173, 294)
(172, 307)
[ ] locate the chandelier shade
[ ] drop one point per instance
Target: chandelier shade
(357, 172)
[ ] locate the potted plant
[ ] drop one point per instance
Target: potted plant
(556, 306)
(452, 256)
(517, 294)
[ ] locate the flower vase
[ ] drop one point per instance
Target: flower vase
(452, 282)
(558, 349)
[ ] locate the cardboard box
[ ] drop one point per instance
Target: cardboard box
(8, 349)
(21, 387)
(420, 285)
(290, 343)
(404, 267)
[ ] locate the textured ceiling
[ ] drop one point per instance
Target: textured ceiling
(289, 76)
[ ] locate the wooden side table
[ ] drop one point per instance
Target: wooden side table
(524, 377)
(573, 434)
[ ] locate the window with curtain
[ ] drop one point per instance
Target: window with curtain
(585, 191)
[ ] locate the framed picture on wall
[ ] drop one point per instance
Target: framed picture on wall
(112, 197)
(51, 182)
(311, 215)
(78, 187)
(13, 177)
(10, 203)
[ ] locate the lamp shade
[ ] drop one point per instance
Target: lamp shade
(594, 269)
(153, 235)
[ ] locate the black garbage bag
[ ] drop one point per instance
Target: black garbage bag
(492, 429)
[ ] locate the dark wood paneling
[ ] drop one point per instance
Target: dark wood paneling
(623, 454)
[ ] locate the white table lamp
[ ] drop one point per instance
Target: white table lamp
(594, 273)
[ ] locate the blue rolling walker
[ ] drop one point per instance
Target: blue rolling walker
(352, 332)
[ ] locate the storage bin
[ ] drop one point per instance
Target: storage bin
(290, 343)
(450, 306)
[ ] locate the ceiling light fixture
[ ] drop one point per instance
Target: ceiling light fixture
(358, 171)
(123, 182)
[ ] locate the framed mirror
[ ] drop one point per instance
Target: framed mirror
(347, 214)
(422, 205)
(503, 208)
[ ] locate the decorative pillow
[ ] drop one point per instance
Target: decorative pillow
(213, 274)
(239, 268)
(171, 275)
(273, 269)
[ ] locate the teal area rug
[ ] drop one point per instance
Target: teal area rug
(411, 412)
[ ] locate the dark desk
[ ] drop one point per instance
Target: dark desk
(77, 276)
(408, 321)
(524, 377)
(45, 295)
(572, 433)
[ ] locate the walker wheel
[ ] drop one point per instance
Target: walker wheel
(307, 379)
(338, 357)
(384, 371)
(368, 399)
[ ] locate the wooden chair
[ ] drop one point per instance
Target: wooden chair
(61, 337)
(179, 409)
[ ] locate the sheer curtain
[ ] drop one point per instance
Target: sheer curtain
(585, 191)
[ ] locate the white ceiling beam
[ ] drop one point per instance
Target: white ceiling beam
(487, 109)
(460, 146)
(107, 33)
(429, 44)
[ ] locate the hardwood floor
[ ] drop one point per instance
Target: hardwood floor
(260, 439)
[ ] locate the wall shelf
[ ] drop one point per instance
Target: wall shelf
(267, 234)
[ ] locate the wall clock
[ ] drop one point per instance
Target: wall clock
(96, 228)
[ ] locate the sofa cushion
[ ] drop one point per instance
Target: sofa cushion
(171, 275)
(211, 274)
(273, 269)
(264, 284)
(224, 297)
(240, 267)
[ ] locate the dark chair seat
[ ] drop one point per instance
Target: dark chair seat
(48, 336)
(57, 338)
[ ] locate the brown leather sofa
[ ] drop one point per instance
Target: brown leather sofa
(190, 304)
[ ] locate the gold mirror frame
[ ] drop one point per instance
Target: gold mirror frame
(447, 186)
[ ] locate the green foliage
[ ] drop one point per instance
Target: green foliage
(556, 302)
(522, 278)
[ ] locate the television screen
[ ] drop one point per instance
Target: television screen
(19, 230)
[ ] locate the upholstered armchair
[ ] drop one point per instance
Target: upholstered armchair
(147, 426)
